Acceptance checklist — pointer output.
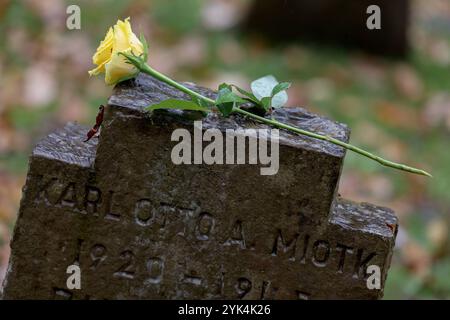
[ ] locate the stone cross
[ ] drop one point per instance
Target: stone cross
(138, 226)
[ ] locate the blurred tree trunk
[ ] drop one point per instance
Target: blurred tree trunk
(341, 22)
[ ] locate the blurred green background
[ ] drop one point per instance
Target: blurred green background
(398, 108)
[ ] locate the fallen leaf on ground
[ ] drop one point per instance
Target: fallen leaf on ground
(407, 82)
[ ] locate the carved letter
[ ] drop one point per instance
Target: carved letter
(285, 247)
(237, 235)
(320, 259)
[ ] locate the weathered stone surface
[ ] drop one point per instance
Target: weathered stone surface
(141, 227)
(307, 178)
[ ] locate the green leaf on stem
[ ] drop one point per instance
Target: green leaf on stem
(282, 86)
(266, 103)
(226, 100)
(279, 99)
(201, 102)
(250, 96)
(226, 108)
(225, 86)
(225, 95)
(177, 104)
(263, 87)
(268, 86)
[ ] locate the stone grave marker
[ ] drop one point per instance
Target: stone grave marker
(139, 226)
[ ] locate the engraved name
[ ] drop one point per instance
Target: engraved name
(165, 219)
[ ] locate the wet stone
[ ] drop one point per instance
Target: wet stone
(140, 227)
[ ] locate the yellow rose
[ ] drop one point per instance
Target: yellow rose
(119, 38)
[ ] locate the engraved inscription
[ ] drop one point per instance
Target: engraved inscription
(268, 290)
(98, 255)
(301, 295)
(161, 221)
(44, 186)
(92, 200)
(343, 249)
(305, 249)
(236, 235)
(68, 196)
(109, 213)
(280, 246)
(61, 294)
(205, 225)
(362, 263)
(191, 279)
(155, 269)
(127, 269)
(321, 253)
(143, 212)
(243, 287)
